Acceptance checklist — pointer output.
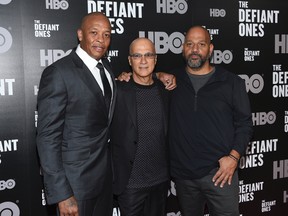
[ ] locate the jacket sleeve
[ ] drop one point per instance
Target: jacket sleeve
(242, 116)
(52, 99)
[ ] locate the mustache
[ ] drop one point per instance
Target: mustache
(197, 54)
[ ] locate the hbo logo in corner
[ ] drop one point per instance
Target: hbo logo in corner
(9, 208)
(57, 4)
(5, 40)
(171, 6)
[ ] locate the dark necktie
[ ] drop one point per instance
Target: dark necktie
(106, 85)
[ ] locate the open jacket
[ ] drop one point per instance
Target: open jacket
(124, 135)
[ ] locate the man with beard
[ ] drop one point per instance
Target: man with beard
(210, 127)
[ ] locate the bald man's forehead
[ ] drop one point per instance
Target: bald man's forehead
(142, 42)
(96, 17)
(198, 31)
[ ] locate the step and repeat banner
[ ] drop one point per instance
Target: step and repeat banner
(250, 39)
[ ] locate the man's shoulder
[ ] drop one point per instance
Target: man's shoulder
(226, 73)
(177, 71)
(64, 65)
(66, 60)
(124, 85)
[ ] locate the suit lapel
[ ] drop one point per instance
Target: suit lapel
(130, 101)
(109, 69)
(86, 76)
(165, 103)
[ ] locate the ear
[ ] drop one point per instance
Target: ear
(211, 48)
(80, 34)
(129, 60)
(155, 59)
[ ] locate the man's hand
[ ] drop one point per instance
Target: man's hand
(68, 207)
(225, 171)
(169, 80)
(124, 76)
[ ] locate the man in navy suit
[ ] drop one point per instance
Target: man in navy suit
(73, 124)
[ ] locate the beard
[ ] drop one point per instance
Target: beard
(196, 63)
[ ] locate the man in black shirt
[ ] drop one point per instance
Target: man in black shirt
(138, 137)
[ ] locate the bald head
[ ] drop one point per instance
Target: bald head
(199, 30)
(141, 42)
(94, 16)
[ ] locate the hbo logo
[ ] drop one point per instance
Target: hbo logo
(262, 118)
(5, 40)
(218, 57)
(163, 42)
(9, 184)
(217, 12)
(172, 6)
(5, 2)
(57, 4)
(9, 208)
(254, 84)
(52, 55)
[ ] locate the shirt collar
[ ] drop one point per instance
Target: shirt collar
(87, 59)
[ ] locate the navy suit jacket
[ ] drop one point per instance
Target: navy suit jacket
(72, 133)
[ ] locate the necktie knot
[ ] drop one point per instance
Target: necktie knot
(100, 66)
(106, 85)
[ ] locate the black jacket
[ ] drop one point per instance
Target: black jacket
(124, 132)
(206, 126)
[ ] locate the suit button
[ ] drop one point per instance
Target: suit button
(131, 162)
(135, 142)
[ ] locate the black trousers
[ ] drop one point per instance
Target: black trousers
(149, 201)
(194, 194)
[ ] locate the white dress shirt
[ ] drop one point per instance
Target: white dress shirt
(91, 64)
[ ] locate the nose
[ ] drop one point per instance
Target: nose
(100, 38)
(195, 47)
(143, 59)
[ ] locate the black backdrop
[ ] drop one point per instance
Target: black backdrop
(250, 38)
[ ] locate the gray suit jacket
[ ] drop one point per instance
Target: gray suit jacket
(72, 133)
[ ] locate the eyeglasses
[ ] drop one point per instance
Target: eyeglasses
(138, 56)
